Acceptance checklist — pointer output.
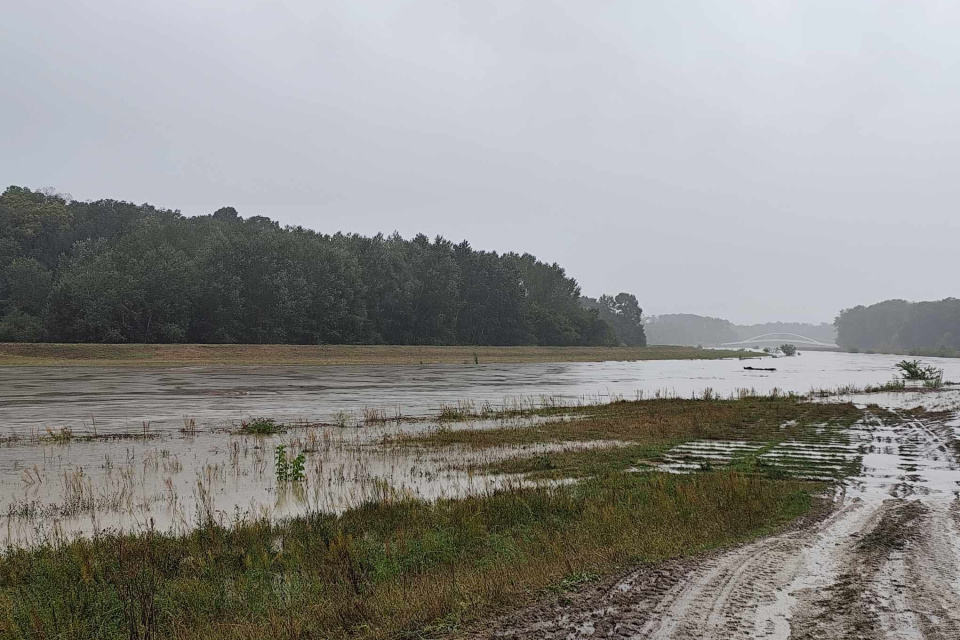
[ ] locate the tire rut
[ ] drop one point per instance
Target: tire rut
(883, 563)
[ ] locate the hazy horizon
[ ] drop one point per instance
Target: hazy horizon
(756, 162)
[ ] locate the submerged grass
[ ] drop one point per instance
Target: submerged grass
(658, 422)
(388, 569)
(640, 432)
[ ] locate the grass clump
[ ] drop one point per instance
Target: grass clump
(261, 427)
(388, 569)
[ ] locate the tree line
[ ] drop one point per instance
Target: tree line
(922, 328)
(112, 271)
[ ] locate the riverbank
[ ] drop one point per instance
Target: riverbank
(168, 355)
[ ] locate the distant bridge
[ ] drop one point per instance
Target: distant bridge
(782, 338)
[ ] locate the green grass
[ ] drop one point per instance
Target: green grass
(390, 569)
(261, 427)
(577, 463)
(640, 432)
(657, 422)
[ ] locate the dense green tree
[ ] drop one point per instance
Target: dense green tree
(112, 271)
(624, 314)
(898, 325)
(27, 285)
(689, 329)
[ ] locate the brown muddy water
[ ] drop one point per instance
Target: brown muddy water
(160, 447)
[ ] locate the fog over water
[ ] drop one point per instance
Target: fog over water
(749, 160)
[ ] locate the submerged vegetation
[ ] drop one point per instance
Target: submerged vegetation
(916, 370)
(389, 568)
(788, 349)
(395, 566)
(260, 426)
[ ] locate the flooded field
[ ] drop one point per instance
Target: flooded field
(88, 449)
(121, 400)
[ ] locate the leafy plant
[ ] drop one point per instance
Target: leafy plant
(296, 468)
(260, 427)
(283, 468)
(788, 349)
(289, 470)
(916, 370)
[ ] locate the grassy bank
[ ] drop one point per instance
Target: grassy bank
(394, 568)
(44, 354)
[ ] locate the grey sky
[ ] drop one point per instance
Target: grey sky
(751, 160)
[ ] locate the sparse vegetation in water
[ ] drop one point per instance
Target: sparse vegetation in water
(288, 470)
(260, 427)
(394, 567)
(61, 435)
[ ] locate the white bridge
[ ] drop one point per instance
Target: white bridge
(782, 338)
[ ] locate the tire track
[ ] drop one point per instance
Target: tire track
(885, 563)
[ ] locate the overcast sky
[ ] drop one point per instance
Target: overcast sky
(768, 160)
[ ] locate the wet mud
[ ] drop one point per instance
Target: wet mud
(882, 561)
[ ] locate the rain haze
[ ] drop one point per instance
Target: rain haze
(755, 161)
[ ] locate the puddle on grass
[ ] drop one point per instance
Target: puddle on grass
(828, 455)
(55, 491)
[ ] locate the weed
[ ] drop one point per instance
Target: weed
(289, 470)
(62, 435)
(260, 427)
(916, 370)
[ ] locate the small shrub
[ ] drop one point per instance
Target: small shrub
(260, 427)
(788, 349)
(916, 370)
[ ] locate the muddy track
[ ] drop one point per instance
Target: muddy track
(884, 563)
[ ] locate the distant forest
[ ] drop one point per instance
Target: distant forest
(690, 329)
(111, 271)
(921, 328)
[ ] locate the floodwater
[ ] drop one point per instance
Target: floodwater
(121, 400)
(176, 477)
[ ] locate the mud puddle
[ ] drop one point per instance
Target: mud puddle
(884, 562)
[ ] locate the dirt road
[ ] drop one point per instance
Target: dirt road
(885, 563)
